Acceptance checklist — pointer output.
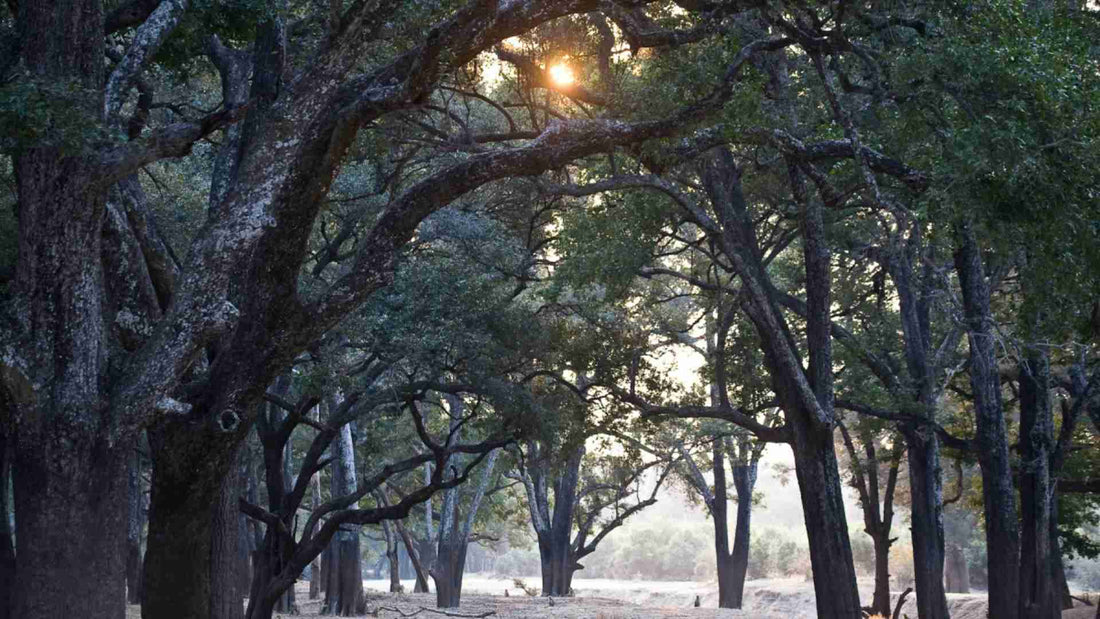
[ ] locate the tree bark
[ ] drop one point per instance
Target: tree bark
(226, 596)
(719, 506)
(922, 445)
(926, 517)
(744, 480)
(186, 513)
(72, 530)
(555, 543)
(344, 596)
(1061, 585)
(880, 599)
(427, 550)
(1038, 598)
(244, 524)
(826, 528)
(450, 564)
(998, 492)
(392, 561)
(70, 493)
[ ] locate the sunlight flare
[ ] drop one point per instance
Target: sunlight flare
(561, 74)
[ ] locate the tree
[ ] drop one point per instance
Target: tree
(878, 505)
(732, 563)
(576, 499)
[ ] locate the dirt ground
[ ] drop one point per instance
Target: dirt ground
(790, 598)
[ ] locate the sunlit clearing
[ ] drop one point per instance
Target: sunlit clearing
(561, 74)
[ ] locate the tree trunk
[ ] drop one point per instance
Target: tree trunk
(427, 562)
(558, 565)
(135, 525)
(926, 516)
(957, 573)
(414, 558)
(426, 550)
(447, 573)
(395, 571)
(315, 567)
(1038, 598)
(72, 530)
(226, 596)
(1061, 585)
(187, 507)
(718, 504)
(998, 493)
(70, 492)
(834, 572)
(880, 600)
(344, 596)
(392, 559)
(7, 545)
(744, 479)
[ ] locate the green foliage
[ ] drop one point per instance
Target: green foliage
(608, 241)
(50, 114)
(1017, 128)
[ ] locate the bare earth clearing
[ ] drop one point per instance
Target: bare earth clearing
(787, 598)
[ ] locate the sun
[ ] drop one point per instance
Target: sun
(561, 74)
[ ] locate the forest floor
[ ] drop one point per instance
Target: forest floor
(775, 598)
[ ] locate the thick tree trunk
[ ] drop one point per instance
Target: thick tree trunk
(70, 493)
(72, 530)
(187, 507)
(998, 493)
(719, 507)
(558, 565)
(226, 596)
(1038, 598)
(926, 516)
(344, 596)
(7, 543)
(819, 485)
(426, 551)
(809, 415)
(561, 560)
(447, 573)
(427, 561)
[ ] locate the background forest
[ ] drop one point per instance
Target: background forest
(288, 287)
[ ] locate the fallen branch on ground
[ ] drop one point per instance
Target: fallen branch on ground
(432, 610)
